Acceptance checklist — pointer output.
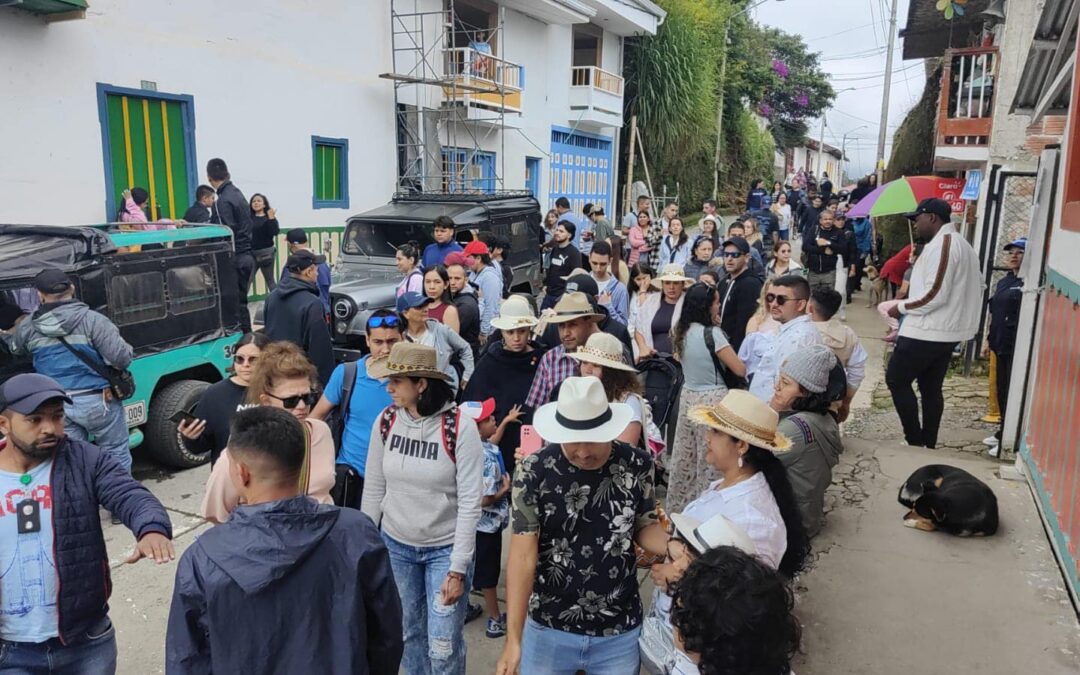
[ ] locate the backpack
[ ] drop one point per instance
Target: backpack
(451, 421)
(340, 417)
(731, 380)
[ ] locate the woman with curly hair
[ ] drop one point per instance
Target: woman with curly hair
(732, 616)
(704, 384)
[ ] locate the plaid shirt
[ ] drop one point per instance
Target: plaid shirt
(555, 366)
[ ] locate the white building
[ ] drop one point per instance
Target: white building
(290, 95)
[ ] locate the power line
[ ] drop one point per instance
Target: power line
(841, 32)
(877, 51)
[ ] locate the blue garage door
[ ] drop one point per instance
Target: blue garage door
(581, 169)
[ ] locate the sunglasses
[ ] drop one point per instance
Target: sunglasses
(388, 321)
(778, 299)
(733, 254)
(290, 402)
(241, 360)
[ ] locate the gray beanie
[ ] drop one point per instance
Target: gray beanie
(810, 367)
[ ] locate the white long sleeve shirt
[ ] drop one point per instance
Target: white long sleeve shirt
(945, 295)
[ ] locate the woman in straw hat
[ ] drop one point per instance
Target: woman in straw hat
(506, 370)
(754, 492)
(704, 384)
(422, 486)
(660, 312)
(283, 378)
(602, 357)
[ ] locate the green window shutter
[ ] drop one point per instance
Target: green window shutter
(330, 187)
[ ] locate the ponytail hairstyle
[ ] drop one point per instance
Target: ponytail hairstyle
(411, 249)
(798, 544)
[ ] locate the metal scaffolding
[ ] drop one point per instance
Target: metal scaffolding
(448, 100)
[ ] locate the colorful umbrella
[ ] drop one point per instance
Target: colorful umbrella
(904, 194)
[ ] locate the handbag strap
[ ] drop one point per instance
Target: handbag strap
(710, 344)
(98, 368)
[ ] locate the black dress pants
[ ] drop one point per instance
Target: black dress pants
(244, 264)
(926, 363)
(1004, 370)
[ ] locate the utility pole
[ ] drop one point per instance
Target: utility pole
(720, 112)
(880, 169)
(820, 146)
(843, 150)
(628, 203)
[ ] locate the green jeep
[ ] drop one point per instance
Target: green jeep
(172, 294)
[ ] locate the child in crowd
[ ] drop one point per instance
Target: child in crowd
(495, 514)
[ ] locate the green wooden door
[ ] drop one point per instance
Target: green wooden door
(147, 144)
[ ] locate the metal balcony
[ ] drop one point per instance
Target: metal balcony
(476, 79)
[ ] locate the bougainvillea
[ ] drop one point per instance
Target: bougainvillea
(780, 68)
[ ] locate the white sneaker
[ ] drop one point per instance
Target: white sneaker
(994, 450)
(990, 441)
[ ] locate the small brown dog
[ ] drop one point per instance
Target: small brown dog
(877, 286)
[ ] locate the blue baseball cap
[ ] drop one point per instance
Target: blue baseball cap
(1020, 243)
(25, 393)
(412, 299)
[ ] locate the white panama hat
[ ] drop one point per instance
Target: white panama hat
(582, 414)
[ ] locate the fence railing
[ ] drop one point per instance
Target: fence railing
(967, 96)
(323, 240)
(597, 78)
(475, 68)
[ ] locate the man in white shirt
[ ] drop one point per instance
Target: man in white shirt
(824, 304)
(942, 309)
(787, 300)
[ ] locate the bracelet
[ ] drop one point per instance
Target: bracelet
(456, 575)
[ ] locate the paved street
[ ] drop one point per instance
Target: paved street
(879, 597)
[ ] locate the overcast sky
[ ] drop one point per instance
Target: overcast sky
(851, 37)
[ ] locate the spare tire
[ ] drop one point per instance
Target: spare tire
(163, 442)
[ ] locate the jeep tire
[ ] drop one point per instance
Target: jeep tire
(163, 442)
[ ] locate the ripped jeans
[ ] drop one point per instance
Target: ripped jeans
(434, 633)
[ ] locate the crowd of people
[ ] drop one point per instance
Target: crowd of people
(364, 501)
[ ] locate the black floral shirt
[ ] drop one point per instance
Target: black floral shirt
(586, 580)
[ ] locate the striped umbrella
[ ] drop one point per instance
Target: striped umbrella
(904, 194)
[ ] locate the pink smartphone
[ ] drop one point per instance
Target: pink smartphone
(530, 440)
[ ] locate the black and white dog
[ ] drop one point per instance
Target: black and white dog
(946, 498)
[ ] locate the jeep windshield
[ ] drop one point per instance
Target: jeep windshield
(382, 239)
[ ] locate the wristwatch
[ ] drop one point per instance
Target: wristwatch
(456, 575)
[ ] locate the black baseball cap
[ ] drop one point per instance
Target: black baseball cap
(583, 283)
(303, 259)
(938, 207)
(297, 235)
(25, 393)
(52, 281)
(737, 242)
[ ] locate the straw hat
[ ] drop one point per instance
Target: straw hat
(671, 272)
(515, 312)
(605, 350)
(716, 531)
(746, 417)
(572, 306)
(582, 414)
(408, 359)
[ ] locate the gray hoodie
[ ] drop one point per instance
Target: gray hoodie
(90, 333)
(815, 450)
(417, 494)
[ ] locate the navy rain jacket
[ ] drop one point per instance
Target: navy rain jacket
(286, 587)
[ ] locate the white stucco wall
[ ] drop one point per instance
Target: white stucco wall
(263, 83)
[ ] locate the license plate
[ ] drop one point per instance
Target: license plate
(135, 413)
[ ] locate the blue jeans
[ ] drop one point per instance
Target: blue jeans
(556, 652)
(92, 416)
(95, 654)
(783, 235)
(434, 633)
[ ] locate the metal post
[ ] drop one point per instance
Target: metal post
(720, 112)
(885, 96)
(630, 165)
(821, 146)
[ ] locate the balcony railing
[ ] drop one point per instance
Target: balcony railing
(475, 78)
(591, 76)
(966, 106)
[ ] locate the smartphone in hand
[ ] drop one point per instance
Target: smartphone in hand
(530, 440)
(182, 416)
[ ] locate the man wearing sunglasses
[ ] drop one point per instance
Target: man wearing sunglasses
(786, 301)
(358, 400)
(738, 291)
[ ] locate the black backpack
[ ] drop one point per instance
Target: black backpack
(732, 380)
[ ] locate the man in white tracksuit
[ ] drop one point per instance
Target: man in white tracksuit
(942, 310)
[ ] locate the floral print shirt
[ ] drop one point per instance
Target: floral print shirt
(586, 581)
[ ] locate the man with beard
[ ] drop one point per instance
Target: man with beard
(738, 291)
(55, 569)
(565, 258)
(464, 298)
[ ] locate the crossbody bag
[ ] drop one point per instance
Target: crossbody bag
(121, 381)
